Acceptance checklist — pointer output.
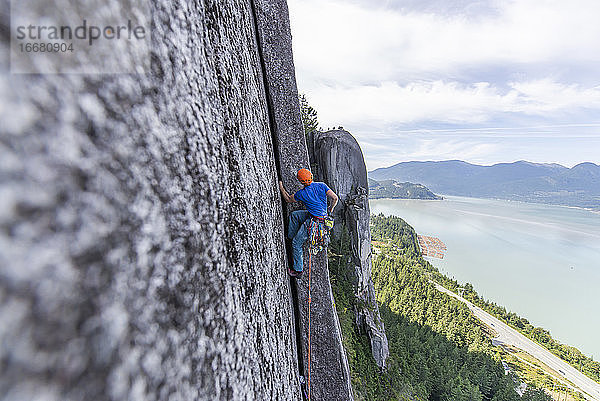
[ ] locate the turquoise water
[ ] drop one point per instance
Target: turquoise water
(540, 261)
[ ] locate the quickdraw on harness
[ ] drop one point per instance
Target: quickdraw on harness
(318, 239)
(318, 233)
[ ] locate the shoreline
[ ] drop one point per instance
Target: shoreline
(434, 261)
(445, 197)
(415, 199)
(508, 335)
(537, 318)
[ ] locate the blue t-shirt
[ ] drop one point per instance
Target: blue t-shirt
(314, 198)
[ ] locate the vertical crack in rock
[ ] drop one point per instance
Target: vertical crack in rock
(339, 162)
(272, 125)
(330, 377)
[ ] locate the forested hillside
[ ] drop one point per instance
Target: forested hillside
(399, 190)
(400, 233)
(566, 352)
(438, 351)
(524, 181)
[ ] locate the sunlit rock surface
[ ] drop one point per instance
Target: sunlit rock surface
(339, 162)
(329, 372)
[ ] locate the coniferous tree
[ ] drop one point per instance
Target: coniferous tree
(309, 116)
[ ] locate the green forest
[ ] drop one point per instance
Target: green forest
(438, 350)
(399, 190)
(400, 233)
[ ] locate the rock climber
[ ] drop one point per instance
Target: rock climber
(314, 196)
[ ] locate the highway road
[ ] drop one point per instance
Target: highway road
(510, 336)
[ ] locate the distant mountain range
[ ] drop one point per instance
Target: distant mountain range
(399, 190)
(522, 180)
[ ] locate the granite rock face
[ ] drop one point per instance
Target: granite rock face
(141, 243)
(275, 43)
(329, 372)
(338, 161)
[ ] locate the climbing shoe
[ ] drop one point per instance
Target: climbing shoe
(294, 273)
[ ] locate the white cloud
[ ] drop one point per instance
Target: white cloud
(406, 148)
(382, 69)
(385, 151)
(337, 42)
(390, 103)
(546, 96)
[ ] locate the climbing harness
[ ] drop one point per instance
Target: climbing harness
(318, 233)
(318, 239)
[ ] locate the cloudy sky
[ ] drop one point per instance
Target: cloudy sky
(482, 81)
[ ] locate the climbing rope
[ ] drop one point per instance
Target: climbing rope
(309, 302)
(318, 240)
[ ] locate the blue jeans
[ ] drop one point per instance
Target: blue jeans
(298, 233)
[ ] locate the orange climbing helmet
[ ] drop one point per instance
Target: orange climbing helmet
(305, 176)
